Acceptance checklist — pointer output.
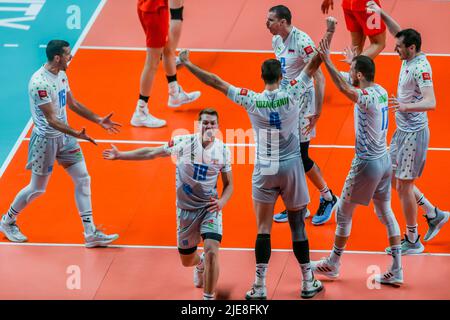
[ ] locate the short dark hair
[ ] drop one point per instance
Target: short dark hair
(410, 37)
(208, 111)
(55, 48)
(282, 12)
(366, 66)
(271, 71)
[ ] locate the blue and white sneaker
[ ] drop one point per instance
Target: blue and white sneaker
(325, 211)
(283, 216)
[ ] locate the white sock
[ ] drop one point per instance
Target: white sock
(396, 252)
(336, 254)
(208, 296)
(11, 216)
(427, 206)
(411, 233)
(306, 271)
(260, 275)
(326, 193)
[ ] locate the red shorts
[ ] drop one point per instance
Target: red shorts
(156, 26)
(361, 21)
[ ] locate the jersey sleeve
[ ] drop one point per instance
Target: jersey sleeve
(306, 47)
(422, 75)
(365, 98)
(40, 92)
(176, 145)
(299, 86)
(242, 96)
(227, 159)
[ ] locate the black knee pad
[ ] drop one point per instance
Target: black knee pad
(306, 160)
(212, 236)
(176, 14)
(187, 251)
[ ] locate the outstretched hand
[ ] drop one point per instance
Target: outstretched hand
(82, 135)
(372, 6)
(349, 54)
(331, 24)
(111, 154)
(184, 56)
(109, 125)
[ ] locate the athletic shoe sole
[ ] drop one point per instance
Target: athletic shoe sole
(172, 105)
(247, 297)
(311, 294)
(139, 124)
(103, 243)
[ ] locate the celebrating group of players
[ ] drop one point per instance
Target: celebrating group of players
(283, 117)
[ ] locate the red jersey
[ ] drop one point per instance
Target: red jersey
(356, 5)
(152, 5)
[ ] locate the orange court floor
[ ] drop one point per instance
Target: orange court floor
(137, 199)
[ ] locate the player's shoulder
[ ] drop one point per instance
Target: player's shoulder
(422, 63)
(300, 36)
(38, 78)
(276, 41)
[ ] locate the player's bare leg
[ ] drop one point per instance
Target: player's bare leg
(177, 96)
(142, 116)
(377, 44)
(211, 268)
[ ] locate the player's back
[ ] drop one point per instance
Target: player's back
(274, 118)
(371, 122)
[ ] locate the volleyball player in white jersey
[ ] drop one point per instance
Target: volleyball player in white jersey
(200, 159)
(409, 145)
(294, 49)
(278, 170)
(370, 174)
(53, 139)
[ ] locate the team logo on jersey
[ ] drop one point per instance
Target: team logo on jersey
(171, 143)
(309, 50)
(291, 51)
(426, 76)
(293, 82)
(243, 92)
(364, 92)
(42, 94)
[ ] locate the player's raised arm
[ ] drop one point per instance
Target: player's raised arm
(314, 64)
(50, 116)
(392, 25)
(146, 153)
(336, 76)
(207, 78)
(105, 122)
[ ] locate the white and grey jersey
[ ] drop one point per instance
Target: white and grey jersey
(293, 53)
(371, 122)
(45, 87)
(275, 118)
(414, 75)
(197, 169)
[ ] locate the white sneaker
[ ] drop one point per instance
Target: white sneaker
(178, 63)
(326, 268)
(143, 118)
(179, 97)
(12, 232)
(394, 277)
(199, 274)
(99, 239)
(311, 288)
(256, 293)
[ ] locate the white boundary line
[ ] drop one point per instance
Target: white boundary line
(78, 245)
(322, 146)
(30, 122)
(232, 50)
